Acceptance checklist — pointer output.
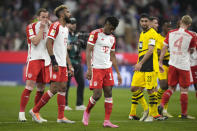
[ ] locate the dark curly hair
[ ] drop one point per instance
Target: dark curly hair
(113, 21)
(144, 15)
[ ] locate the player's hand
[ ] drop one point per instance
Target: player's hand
(137, 67)
(161, 69)
(71, 70)
(89, 74)
(55, 68)
(119, 79)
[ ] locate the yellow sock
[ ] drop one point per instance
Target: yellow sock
(166, 106)
(143, 102)
(153, 104)
(134, 103)
(159, 95)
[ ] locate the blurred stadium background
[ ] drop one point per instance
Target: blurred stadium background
(15, 15)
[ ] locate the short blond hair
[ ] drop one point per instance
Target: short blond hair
(58, 9)
(186, 19)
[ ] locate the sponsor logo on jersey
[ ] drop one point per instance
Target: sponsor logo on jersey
(31, 32)
(91, 38)
(52, 32)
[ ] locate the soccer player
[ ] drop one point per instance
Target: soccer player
(193, 61)
(181, 43)
(162, 76)
(37, 59)
(146, 69)
(57, 49)
(100, 56)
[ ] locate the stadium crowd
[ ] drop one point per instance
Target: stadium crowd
(16, 14)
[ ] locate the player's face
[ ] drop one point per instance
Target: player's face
(167, 27)
(108, 28)
(144, 23)
(67, 15)
(154, 24)
(44, 16)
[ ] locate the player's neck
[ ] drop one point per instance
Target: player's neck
(145, 30)
(62, 22)
(183, 27)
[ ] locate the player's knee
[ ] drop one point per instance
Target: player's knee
(97, 96)
(133, 89)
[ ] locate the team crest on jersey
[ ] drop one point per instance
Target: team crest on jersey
(54, 76)
(52, 32)
(29, 75)
(91, 38)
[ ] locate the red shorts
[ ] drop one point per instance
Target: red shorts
(194, 74)
(47, 74)
(176, 76)
(101, 77)
(60, 76)
(35, 71)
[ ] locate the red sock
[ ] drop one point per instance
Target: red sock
(184, 102)
(166, 96)
(108, 108)
(38, 96)
(61, 104)
(44, 99)
(24, 99)
(90, 105)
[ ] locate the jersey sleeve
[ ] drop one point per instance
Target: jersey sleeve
(114, 45)
(93, 37)
(31, 31)
(53, 31)
(193, 42)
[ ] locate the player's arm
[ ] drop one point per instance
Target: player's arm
(71, 69)
(146, 56)
(163, 51)
(49, 47)
(36, 40)
(114, 63)
(89, 49)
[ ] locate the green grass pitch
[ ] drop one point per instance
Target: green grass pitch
(9, 107)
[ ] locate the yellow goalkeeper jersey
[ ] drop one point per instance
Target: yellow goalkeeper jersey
(148, 38)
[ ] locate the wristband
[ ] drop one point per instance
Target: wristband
(53, 60)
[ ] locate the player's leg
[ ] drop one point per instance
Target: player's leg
(108, 106)
(61, 102)
(184, 82)
(39, 92)
(81, 85)
(96, 84)
(194, 76)
(32, 71)
(138, 81)
(195, 87)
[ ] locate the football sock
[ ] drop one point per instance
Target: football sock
(143, 102)
(134, 103)
(184, 102)
(159, 95)
(24, 99)
(44, 99)
(108, 108)
(38, 96)
(166, 106)
(166, 96)
(90, 105)
(61, 104)
(153, 104)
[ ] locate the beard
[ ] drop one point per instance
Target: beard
(67, 19)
